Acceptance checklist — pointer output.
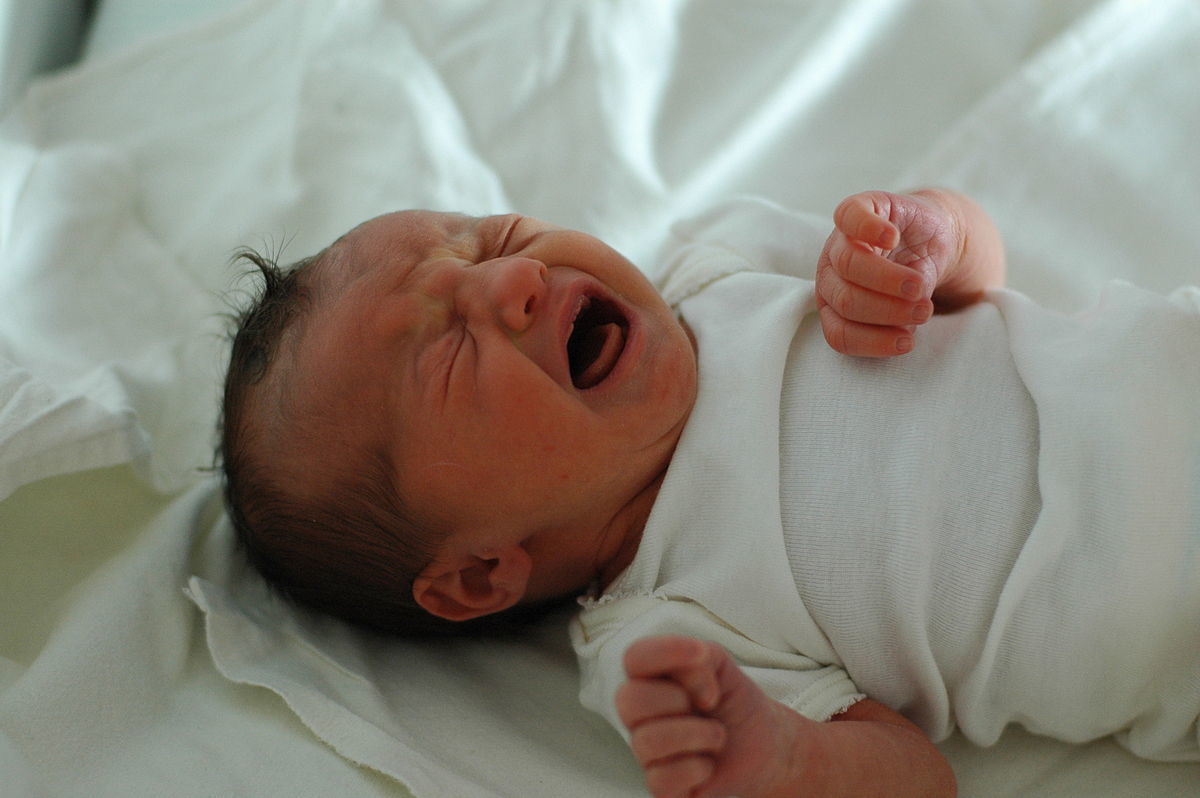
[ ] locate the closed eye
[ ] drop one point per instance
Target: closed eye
(508, 235)
(454, 361)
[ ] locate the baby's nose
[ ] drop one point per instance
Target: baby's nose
(514, 287)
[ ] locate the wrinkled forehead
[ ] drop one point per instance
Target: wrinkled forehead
(362, 304)
(364, 270)
(398, 241)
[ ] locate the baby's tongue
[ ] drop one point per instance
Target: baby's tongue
(599, 348)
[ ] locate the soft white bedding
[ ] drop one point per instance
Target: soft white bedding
(126, 184)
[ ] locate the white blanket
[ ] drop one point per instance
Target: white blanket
(126, 185)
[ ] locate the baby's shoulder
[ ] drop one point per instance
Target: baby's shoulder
(743, 234)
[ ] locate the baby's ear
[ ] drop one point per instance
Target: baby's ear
(473, 585)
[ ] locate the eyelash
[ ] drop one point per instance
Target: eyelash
(512, 229)
(460, 323)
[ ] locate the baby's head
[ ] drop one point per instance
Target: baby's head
(440, 419)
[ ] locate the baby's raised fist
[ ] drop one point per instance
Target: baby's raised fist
(699, 726)
(878, 270)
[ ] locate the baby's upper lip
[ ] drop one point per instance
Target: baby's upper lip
(570, 302)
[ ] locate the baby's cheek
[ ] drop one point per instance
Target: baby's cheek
(550, 451)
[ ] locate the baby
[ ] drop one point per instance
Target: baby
(443, 424)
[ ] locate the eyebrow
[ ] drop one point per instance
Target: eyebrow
(449, 235)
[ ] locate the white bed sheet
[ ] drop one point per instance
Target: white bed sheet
(36, 36)
(126, 184)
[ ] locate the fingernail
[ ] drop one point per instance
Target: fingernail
(921, 313)
(911, 289)
(904, 344)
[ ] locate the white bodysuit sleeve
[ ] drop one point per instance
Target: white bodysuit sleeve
(746, 234)
(603, 631)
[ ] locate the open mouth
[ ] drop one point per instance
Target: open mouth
(596, 342)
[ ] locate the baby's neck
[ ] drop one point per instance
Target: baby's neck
(630, 523)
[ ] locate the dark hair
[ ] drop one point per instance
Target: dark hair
(351, 550)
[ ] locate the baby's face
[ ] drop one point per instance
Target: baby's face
(527, 379)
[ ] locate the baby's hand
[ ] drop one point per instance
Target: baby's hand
(699, 726)
(878, 271)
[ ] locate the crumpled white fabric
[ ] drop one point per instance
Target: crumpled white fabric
(44, 433)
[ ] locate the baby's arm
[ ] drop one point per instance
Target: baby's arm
(893, 259)
(701, 728)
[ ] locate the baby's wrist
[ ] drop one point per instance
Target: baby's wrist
(953, 288)
(797, 758)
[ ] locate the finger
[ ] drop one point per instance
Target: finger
(686, 660)
(864, 340)
(638, 700)
(860, 265)
(855, 303)
(668, 738)
(678, 778)
(863, 217)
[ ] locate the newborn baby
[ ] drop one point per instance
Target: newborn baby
(442, 424)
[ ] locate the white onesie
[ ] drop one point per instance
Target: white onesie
(1001, 526)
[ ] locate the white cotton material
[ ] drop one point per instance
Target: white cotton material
(1000, 527)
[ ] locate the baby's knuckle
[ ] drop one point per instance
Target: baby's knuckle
(843, 300)
(677, 777)
(843, 259)
(854, 271)
(661, 785)
(644, 743)
(715, 651)
(836, 338)
(844, 208)
(628, 704)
